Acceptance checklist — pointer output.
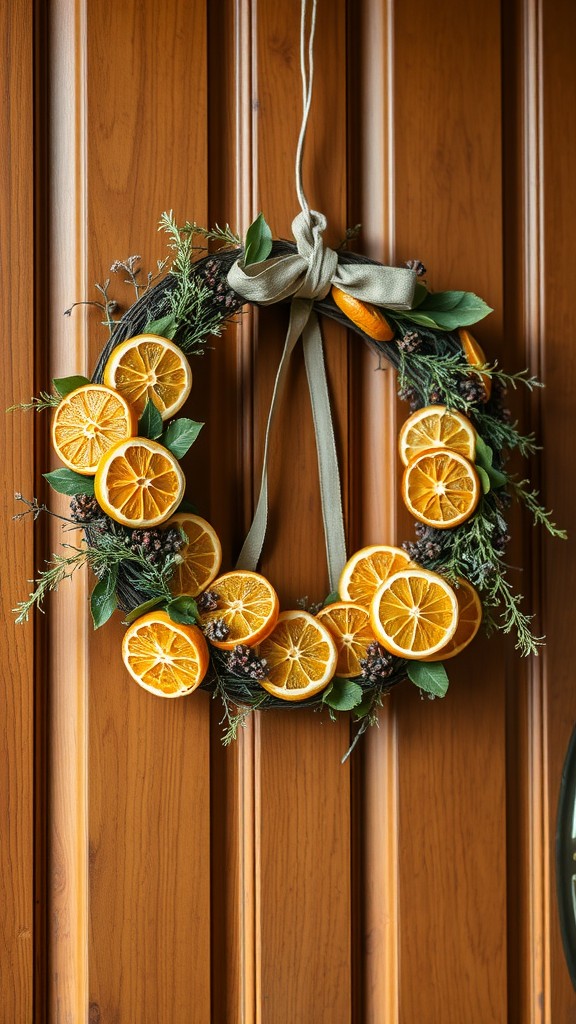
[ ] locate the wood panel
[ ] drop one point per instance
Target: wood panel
(17, 924)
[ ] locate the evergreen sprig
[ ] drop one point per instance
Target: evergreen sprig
(45, 400)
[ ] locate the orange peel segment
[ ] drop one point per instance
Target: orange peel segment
(87, 423)
(435, 426)
(150, 367)
(364, 315)
(300, 655)
(441, 488)
(166, 658)
(248, 605)
(414, 613)
(474, 354)
(352, 630)
(139, 483)
(367, 569)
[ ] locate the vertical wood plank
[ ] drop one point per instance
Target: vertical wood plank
(146, 761)
(451, 768)
(558, 225)
(17, 642)
(302, 792)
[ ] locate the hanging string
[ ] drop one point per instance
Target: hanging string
(307, 73)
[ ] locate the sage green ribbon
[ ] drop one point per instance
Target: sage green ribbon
(305, 276)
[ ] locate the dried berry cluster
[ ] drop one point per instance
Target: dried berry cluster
(428, 547)
(218, 284)
(377, 665)
(243, 661)
(155, 545)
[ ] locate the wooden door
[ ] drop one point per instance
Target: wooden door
(147, 874)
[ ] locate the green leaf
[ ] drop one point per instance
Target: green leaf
(429, 676)
(146, 606)
(66, 481)
(166, 326)
(442, 302)
(64, 385)
(258, 244)
(333, 596)
(150, 423)
(417, 318)
(103, 601)
(365, 706)
(180, 436)
(183, 609)
(420, 294)
(484, 453)
(343, 694)
(468, 310)
(484, 479)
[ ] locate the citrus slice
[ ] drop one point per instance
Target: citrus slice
(248, 605)
(414, 613)
(201, 556)
(352, 630)
(364, 315)
(139, 483)
(475, 357)
(150, 367)
(167, 658)
(300, 655)
(87, 422)
(367, 569)
(436, 427)
(469, 619)
(440, 488)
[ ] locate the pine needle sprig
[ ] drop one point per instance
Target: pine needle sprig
(540, 515)
(502, 435)
(45, 400)
(192, 306)
(61, 567)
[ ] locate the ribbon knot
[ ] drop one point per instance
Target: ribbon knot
(322, 262)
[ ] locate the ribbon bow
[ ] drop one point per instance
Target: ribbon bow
(307, 275)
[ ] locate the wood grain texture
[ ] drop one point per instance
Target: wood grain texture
(16, 642)
(452, 755)
(148, 760)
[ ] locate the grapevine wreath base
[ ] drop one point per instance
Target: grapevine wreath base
(440, 369)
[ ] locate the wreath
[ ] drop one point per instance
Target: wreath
(395, 612)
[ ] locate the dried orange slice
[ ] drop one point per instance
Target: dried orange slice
(469, 619)
(414, 613)
(436, 427)
(364, 315)
(440, 488)
(150, 367)
(352, 630)
(300, 655)
(167, 658)
(201, 556)
(139, 483)
(247, 603)
(87, 422)
(367, 569)
(475, 357)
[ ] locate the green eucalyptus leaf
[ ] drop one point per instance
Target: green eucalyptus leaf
(484, 453)
(484, 479)
(183, 609)
(65, 385)
(258, 244)
(146, 606)
(333, 596)
(66, 481)
(497, 478)
(150, 423)
(165, 327)
(180, 436)
(343, 694)
(430, 676)
(103, 600)
(422, 319)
